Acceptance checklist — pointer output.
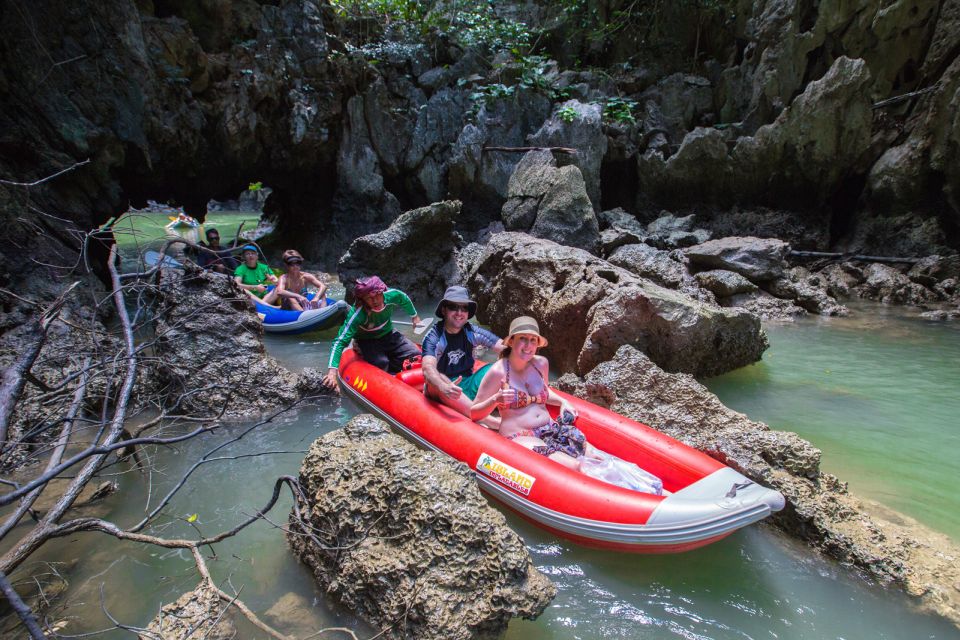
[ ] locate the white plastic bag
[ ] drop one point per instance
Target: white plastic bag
(609, 468)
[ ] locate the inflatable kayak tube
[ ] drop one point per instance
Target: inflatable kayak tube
(282, 321)
(703, 501)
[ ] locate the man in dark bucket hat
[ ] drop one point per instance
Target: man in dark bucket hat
(448, 352)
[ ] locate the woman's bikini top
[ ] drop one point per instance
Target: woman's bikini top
(525, 399)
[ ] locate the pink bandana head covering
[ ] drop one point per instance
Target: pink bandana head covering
(366, 286)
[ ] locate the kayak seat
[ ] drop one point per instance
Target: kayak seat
(412, 377)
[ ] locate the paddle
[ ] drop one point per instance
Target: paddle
(420, 328)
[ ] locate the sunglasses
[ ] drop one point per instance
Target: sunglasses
(293, 261)
(458, 307)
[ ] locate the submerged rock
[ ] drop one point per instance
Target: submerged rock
(588, 307)
(820, 511)
(198, 613)
(421, 240)
(404, 538)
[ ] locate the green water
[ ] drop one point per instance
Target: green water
(754, 584)
(878, 392)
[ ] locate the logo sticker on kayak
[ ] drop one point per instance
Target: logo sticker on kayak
(505, 474)
(359, 384)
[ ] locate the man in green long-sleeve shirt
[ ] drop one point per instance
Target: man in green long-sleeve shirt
(370, 322)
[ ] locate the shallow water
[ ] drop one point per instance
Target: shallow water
(754, 584)
(878, 392)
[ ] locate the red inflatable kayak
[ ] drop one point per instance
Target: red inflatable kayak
(703, 501)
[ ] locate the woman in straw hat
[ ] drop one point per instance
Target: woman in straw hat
(516, 385)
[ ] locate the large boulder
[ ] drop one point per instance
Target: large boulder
(807, 291)
(427, 267)
(581, 130)
(209, 338)
(757, 259)
(651, 263)
(420, 554)
(551, 202)
(820, 511)
(588, 307)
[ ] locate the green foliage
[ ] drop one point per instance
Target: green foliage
(255, 186)
(567, 114)
(465, 22)
(619, 110)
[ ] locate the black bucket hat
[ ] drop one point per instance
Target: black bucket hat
(457, 295)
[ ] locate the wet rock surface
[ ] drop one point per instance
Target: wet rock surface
(403, 538)
(211, 356)
(820, 510)
(422, 240)
(197, 613)
(588, 307)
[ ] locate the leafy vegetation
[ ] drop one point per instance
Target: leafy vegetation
(619, 110)
(567, 114)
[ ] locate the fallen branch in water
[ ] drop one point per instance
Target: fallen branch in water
(525, 149)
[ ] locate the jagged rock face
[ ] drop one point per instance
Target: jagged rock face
(819, 508)
(404, 538)
(198, 612)
(479, 178)
(790, 43)
(653, 264)
(583, 133)
(802, 157)
(757, 259)
(588, 307)
(886, 284)
(807, 290)
(422, 241)
(763, 305)
(209, 334)
(551, 203)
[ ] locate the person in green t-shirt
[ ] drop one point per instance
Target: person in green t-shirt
(253, 277)
(370, 322)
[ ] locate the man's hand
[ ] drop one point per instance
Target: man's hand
(259, 288)
(330, 380)
(451, 390)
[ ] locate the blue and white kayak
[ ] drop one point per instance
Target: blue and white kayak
(282, 321)
(151, 258)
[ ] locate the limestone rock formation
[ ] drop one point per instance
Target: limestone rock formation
(208, 335)
(551, 202)
(421, 240)
(582, 132)
(886, 284)
(802, 157)
(404, 538)
(757, 259)
(588, 307)
(479, 178)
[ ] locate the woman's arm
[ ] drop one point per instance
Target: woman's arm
(553, 398)
(493, 394)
